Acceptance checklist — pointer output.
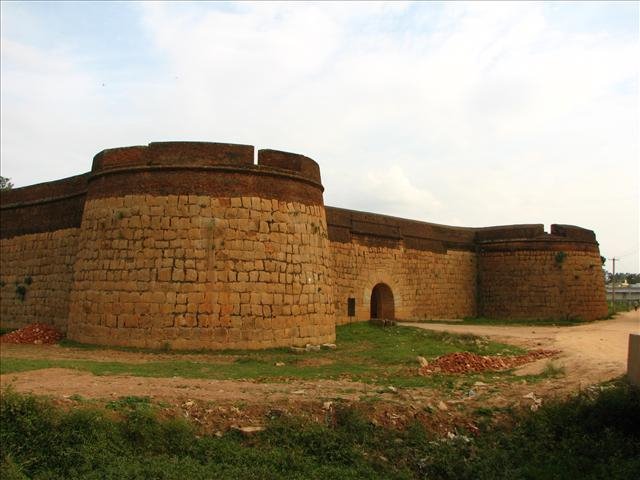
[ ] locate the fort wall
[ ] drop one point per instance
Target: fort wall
(430, 269)
(38, 244)
(525, 273)
(37, 276)
(192, 245)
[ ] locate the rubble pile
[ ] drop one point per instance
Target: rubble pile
(36, 333)
(466, 362)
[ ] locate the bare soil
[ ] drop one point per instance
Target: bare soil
(590, 354)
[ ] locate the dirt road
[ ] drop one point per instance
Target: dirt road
(591, 353)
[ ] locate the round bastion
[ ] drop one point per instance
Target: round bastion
(192, 245)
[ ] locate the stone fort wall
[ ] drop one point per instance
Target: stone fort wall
(192, 245)
(39, 229)
(431, 269)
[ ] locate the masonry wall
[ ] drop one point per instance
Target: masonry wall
(192, 245)
(228, 257)
(431, 269)
(40, 264)
(38, 244)
(425, 285)
(528, 274)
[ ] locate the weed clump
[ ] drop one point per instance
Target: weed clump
(593, 435)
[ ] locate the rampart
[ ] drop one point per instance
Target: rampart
(192, 245)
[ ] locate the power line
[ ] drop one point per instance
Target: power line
(633, 252)
(613, 285)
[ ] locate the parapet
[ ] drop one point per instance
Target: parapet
(176, 154)
(557, 233)
(294, 162)
(43, 207)
(203, 168)
(533, 237)
(204, 155)
(43, 192)
(384, 230)
(571, 232)
(509, 232)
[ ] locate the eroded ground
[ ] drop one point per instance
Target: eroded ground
(590, 354)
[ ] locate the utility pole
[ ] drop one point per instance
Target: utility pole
(613, 285)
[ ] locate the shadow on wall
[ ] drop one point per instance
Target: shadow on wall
(382, 304)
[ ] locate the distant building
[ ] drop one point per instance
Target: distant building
(628, 294)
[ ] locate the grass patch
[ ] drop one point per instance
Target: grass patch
(130, 402)
(591, 436)
(365, 353)
(618, 307)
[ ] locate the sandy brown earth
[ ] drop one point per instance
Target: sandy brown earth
(590, 354)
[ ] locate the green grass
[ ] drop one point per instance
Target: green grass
(365, 353)
(591, 436)
(620, 306)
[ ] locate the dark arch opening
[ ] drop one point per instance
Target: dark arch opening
(382, 305)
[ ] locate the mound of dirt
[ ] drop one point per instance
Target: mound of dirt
(36, 333)
(466, 362)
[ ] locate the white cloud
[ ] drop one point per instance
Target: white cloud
(467, 113)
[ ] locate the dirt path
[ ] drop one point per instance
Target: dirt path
(591, 353)
(65, 382)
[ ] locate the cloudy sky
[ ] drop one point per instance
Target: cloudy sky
(469, 114)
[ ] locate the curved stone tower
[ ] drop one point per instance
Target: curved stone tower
(526, 273)
(192, 245)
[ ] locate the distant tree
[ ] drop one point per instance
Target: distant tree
(633, 278)
(621, 277)
(5, 183)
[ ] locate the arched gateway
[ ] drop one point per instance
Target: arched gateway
(382, 305)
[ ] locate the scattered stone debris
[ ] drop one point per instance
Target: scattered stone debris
(392, 389)
(247, 431)
(423, 362)
(466, 362)
(382, 322)
(536, 401)
(36, 333)
(312, 348)
(279, 364)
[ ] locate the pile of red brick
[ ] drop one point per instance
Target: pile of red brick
(466, 362)
(36, 333)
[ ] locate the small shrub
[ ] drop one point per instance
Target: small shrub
(21, 292)
(560, 258)
(552, 370)
(131, 402)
